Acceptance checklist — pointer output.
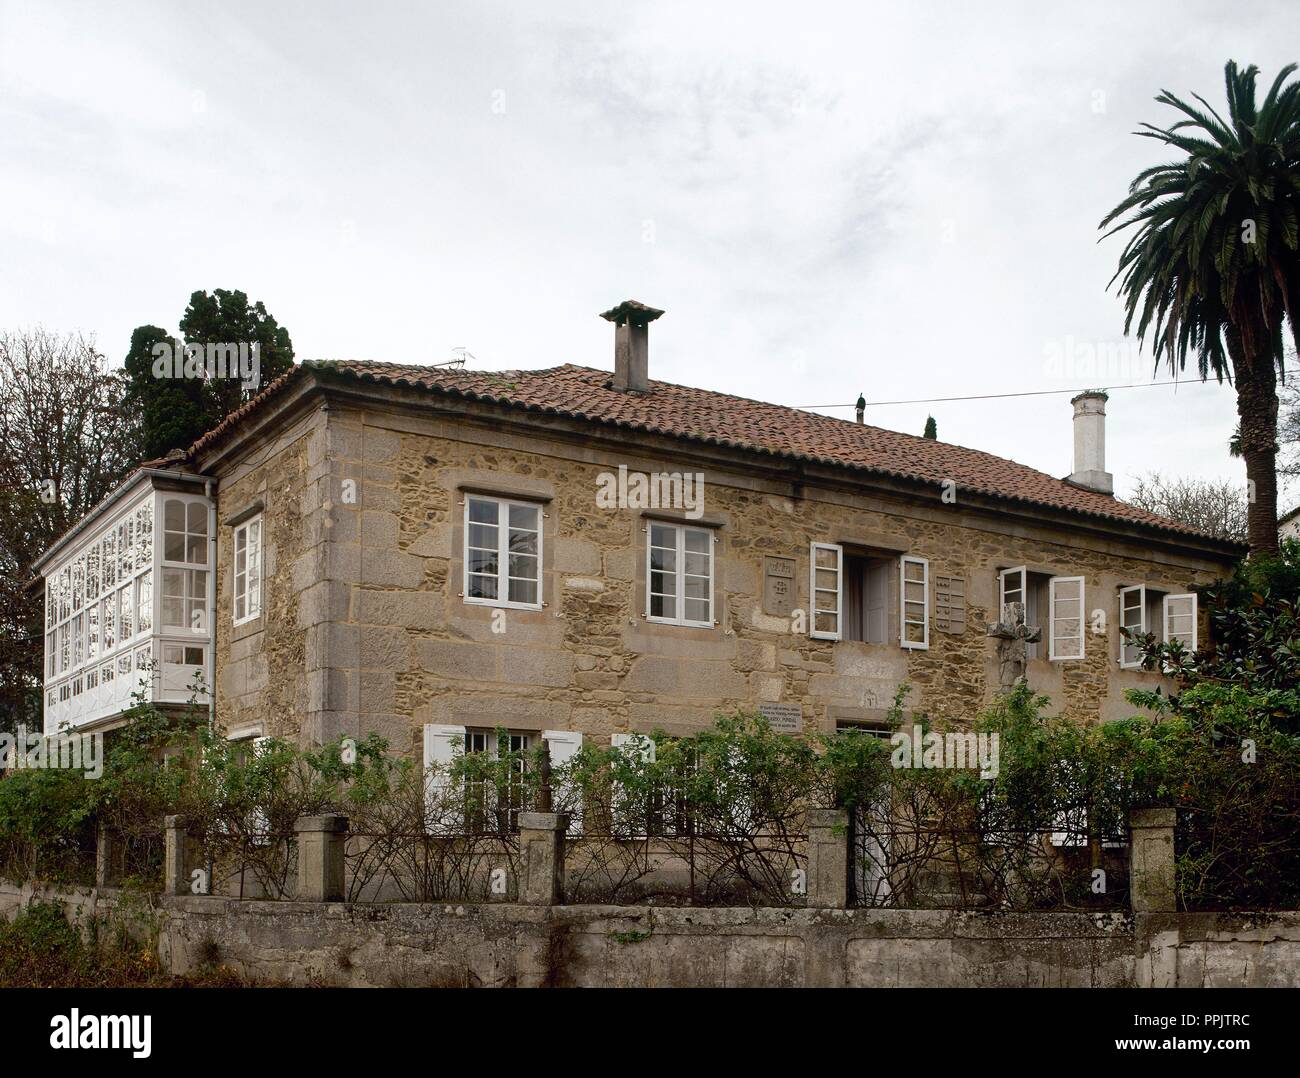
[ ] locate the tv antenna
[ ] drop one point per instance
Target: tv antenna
(459, 357)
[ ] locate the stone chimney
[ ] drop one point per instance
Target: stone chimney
(631, 345)
(1090, 443)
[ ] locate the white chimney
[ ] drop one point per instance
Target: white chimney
(1090, 443)
(631, 344)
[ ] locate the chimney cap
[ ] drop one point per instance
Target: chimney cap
(631, 311)
(1091, 393)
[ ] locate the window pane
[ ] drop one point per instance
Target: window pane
(143, 547)
(482, 561)
(144, 601)
(663, 606)
(196, 549)
(173, 612)
(523, 516)
(125, 549)
(523, 591)
(697, 541)
(663, 559)
(697, 587)
(174, 546)
(697, 610)
(663, 535)
(483, 587)
(174, 515)
(173, 582)
(523, 542)
(523, 566)
(480, 509)
(483, 536)
(197, 518)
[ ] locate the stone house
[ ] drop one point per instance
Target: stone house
(432, 553)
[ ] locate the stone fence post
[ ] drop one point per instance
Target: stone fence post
(1151, 861)
(104, 874)
(175, 855)
(541, 856)
(828, 859)
(322, 841)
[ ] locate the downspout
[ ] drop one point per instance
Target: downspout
(212, 633)
(212, 605)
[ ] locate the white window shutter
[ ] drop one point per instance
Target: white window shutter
(633, 745)
(563, 745)
(1065, 617)
(913, 602)
(441, 745)
(1132, 616)
(826, 591)
(1180, 619)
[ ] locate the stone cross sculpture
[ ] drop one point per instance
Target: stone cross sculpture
(1013, 637)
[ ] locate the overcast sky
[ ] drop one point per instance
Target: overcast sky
(895, 199)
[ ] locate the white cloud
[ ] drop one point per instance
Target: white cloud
(842, 198)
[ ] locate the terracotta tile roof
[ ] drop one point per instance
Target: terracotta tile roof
(719, 418)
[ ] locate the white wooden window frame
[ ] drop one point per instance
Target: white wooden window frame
(1140, 591)
(108, 562)
(1189, 597)
(679, 573)
(1053, 586)
(502, 601)
(813, 605)
(247, 584)
(1021, 573)
(903, 621)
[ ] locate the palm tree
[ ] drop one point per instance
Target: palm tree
(1213, 268)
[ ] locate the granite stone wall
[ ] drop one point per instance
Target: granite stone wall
(365, 628)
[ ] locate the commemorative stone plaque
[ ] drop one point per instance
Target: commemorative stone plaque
(783, 718)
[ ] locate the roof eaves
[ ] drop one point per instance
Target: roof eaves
(1172, 528)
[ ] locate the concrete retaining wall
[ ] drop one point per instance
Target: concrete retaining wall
(515, 945)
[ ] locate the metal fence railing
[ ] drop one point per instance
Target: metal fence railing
(900, 866)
